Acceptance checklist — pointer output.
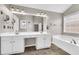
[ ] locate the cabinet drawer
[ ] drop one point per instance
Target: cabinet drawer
(18, 45)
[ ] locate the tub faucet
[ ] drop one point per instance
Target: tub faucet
(74, 41)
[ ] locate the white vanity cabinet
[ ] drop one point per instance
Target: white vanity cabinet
(18, 44)
(44, 41)
(11, 44)
(6, 45)
(47, 42)
(39, 43)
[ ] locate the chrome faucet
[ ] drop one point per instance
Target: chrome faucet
(74, 41)
(16, 32)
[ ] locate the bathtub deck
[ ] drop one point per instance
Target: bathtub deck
(54, 50)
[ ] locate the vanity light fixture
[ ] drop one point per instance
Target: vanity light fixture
(22, 11)
(12, 8)
(42, 13)
(17, 9)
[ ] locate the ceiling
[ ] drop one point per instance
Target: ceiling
(60, 8)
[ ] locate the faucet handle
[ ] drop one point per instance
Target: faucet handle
(74, 41)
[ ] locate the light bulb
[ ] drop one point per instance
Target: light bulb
(22, 11)
(12, 8)
(17, 9)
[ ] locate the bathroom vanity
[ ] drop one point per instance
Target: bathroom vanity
(20, 30)
(12, 43)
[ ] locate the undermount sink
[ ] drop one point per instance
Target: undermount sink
(17, 33)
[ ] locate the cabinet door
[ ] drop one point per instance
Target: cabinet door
(47, 41)
(6, 45)
(39, 43)
(18, 44)
(43, 41)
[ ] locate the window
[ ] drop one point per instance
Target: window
(71, 23)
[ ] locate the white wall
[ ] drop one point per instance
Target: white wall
(54, 18)
(9, 27)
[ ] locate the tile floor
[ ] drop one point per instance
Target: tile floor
(54, 50)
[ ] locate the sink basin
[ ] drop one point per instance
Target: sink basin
(16, 33)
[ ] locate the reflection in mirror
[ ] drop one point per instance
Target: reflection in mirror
(36, 27)
(42, 27)
(4, 26)
(6, 18)
(1, 12)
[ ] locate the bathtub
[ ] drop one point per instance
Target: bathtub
(67, 43)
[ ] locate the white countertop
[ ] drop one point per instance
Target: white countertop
(65, 36)
(22, 33)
